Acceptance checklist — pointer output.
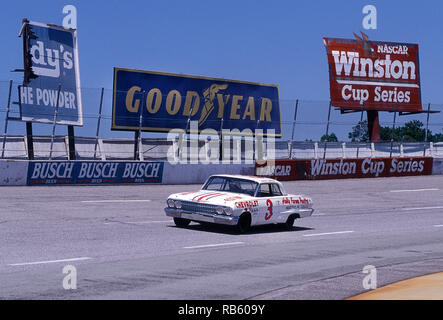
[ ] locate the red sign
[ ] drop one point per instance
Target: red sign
(316, 169)
(373, 75)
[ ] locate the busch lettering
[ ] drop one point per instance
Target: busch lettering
(141, 170)
(98, 170)
(47, 170)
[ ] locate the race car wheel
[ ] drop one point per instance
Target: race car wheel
(290, 222)
(180, 222)
(244, 223)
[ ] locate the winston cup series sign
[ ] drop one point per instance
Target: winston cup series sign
(154, 101)
(52, 69)
(373, 74)
(317, 169)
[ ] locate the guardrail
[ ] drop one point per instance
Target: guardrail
(89, 148)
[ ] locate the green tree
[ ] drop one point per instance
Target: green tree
(411, 131)
(329, 138)
(359, 132)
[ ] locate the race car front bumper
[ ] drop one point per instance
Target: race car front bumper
(201, 217)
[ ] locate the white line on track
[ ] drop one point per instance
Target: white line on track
(214, 245)
(326, 233)
(421, 208)
(113, 201)
(50, 261)
(137, 222)
(438, 225)
(415, 190)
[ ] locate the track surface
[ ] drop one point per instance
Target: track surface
(126, 249)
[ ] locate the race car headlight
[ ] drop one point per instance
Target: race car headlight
(219, 210)
(170, 203)
(228, 211)
(178, 204)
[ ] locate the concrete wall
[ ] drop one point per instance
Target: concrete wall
(437, 167)
(191, 173)
(14, 172)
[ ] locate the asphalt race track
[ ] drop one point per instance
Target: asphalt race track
(124, 247)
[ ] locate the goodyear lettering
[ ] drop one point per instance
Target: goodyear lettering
(239, 109)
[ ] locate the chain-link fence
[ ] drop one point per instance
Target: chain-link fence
(308, 130)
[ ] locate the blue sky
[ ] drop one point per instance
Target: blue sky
(277, 42)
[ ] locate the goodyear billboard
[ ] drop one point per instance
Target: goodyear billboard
(159, 102)
(52, 75)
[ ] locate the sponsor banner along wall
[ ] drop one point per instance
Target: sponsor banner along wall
(316, 169)
(51, 59)
(93, 172)
(373, 74)
(163, 101)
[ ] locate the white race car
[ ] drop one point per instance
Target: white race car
(238, 200)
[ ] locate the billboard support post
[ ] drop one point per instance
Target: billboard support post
(137, 136)
(426, 132)
(359, 127)
(393, 129)
(327, 130)
(71, 142)
(293, 128)
(29, 140)
(6, 119)
(54, 124)
(99, 117)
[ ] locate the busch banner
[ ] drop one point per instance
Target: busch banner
(373, 74)
(93, 172)
(317, 169)
(52, 78)
(154, 101)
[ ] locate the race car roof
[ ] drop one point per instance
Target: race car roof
(246, 177)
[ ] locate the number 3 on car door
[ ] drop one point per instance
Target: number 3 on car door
(269, 213)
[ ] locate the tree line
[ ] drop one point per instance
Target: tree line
(412, 131)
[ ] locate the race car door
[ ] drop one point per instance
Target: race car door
(271, 200)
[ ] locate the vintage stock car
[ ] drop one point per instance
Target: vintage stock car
(241, 201)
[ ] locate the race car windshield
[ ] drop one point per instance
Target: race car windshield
(231, 185)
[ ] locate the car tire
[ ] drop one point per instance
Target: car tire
(244, 223)
(181, 223)
(289, 224)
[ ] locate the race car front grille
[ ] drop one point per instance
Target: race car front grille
(199, 207)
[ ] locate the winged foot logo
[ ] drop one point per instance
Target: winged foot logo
(209, 95)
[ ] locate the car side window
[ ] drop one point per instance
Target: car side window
(265, 190)
(275, 189)
(215, 184)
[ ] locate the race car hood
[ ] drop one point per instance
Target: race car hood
(212, 197)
